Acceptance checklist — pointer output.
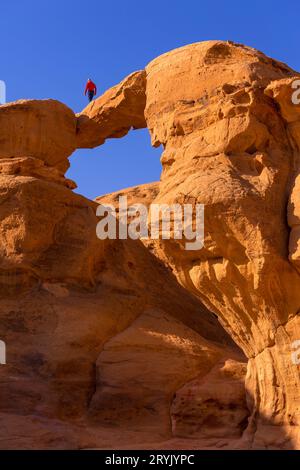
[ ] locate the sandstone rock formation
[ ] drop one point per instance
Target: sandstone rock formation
(98, 357)
(215, 116)
(91, 343)
(224, 114)
(213, 405)
(114, 113)
(45, 130)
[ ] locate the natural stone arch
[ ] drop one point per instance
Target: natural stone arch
(230, 143)
(113, 114)
(226, 144)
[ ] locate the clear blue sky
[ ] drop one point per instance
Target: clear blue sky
(50, 47)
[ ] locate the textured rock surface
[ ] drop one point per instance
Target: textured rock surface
(230, 132)
(113, 114)
(227, 146)
(84, 360)
(213, 405)
(92, 345)
(145, 194)
(40, 129)
(136, 371)
(98, 357)
(282, 92)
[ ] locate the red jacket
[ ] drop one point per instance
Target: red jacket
(90, 86)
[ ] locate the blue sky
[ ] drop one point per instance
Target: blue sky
(50, 47)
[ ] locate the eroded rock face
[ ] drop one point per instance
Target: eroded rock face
(227, 146)
(43, 129)
(282, 92)
(72, 307)
(213, 405)
(136, 372)
(114, 113)
(222, 112)
(47, 231)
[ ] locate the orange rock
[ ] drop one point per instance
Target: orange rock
(226, 145)
(109, 338)
(43, 129)
(114, 113)
(230, 131)
(213, 405)
(66, 301)
(282, 92)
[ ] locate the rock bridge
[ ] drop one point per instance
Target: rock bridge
(231, 136)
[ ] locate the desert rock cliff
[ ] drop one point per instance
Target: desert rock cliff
(117, 342)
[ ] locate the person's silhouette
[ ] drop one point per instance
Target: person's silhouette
(90, 89)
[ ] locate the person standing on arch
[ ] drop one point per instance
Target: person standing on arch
(90, 89)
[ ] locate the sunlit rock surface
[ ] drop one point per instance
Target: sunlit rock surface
(116, 343)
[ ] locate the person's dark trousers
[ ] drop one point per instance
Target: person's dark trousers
(91, 95)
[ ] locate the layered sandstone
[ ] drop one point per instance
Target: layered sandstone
(113, 114)
(92, 345)
(227, 146)
(45, 130)
(224, 115)
(109, 351)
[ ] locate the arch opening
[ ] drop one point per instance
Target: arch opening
(116, 165)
